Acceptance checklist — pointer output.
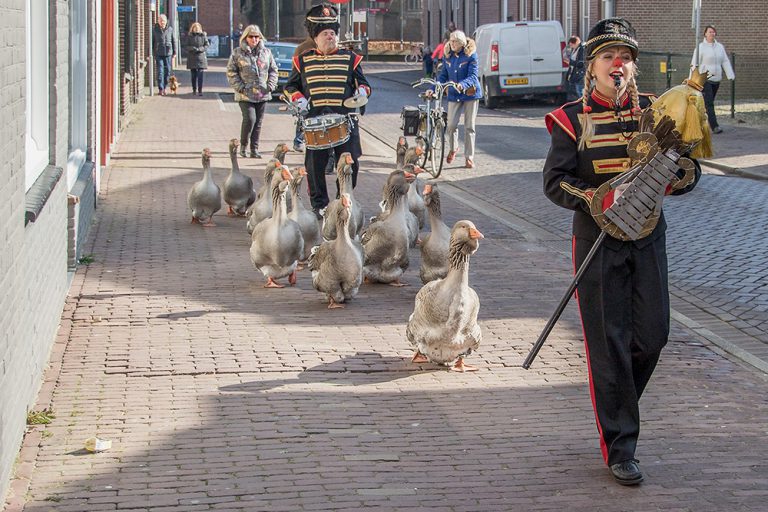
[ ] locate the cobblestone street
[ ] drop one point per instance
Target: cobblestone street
(218, 394)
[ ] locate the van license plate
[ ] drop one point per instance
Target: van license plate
(284, 74)
(516, 81)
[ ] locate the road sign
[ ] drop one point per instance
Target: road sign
(186, 8)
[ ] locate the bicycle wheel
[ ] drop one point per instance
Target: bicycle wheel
(411, 59)
(438, 149)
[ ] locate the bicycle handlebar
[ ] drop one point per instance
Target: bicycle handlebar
(440, 87)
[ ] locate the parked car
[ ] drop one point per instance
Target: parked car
(521, 58)
(283, 53)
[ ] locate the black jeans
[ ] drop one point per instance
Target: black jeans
(197, 79)
(710, 91)
(315, 161)
(253, 115)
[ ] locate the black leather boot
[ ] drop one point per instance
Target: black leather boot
(627, 472)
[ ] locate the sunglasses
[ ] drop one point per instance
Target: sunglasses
(252, 35)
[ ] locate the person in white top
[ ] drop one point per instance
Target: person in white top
(711, 57)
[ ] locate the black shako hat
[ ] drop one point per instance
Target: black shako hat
(611, 32)
(322, 17)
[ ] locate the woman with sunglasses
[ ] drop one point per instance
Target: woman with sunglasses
(252, 73)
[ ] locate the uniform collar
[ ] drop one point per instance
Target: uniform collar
(607, 102)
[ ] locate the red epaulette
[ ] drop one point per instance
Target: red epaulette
(560, 118)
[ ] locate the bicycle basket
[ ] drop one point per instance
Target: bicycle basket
(411, 119)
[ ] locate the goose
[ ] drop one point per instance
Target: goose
(280, 151)
(410, 219)
(262, 207)
(306, 219)
(413, 155)
(443, 327)
(204, 199)
(400, 149)
(238, 188)
(344, 177)
(385, 242)
(416, 201)
(276, 243)
(337, 265)
(434, 246)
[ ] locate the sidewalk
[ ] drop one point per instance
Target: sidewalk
(221, 395)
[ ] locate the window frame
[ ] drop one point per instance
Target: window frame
(37, 89)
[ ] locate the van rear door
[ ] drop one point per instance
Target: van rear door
(514, 57)
(546, 56)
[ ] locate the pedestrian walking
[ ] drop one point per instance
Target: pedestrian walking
(252, 73)
(322, 78)
(712, 58)
(164, 51)
(197, 56)
(575, 75)
(460, 66)
(623, 295)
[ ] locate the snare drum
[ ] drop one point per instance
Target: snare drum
(326, 131)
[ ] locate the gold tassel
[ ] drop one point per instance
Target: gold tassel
(704, 148)
(691, 125)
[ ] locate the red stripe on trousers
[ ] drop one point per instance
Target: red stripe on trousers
(603, 447)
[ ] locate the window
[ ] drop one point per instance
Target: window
(609, 9)
(523, 10)
(37, 104)
(78, 89)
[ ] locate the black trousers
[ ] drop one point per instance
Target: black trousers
(197, 79)
(253, 115)
(624, 304)
(709, 92)
(315, 161)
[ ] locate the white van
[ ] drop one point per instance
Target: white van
(521, 58)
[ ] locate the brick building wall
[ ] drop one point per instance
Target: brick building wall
(33, 274)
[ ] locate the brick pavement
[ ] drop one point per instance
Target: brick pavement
(221, 395)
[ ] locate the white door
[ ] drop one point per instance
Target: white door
(514, 58)
(546, 59)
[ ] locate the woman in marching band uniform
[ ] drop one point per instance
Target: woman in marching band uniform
(623, 296)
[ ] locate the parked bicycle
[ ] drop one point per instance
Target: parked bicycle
(416, 54)
(433, 121)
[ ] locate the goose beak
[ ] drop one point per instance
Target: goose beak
(349, 160)
(345, 200)
(419, 151)
(302, 171)
(409, 177)
(417, 169)
(286, 149)
(401, 141)
(286, 174)
(427, 189)
(475, 234)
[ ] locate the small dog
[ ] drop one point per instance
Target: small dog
(173, 84)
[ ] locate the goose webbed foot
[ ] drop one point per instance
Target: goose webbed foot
(332, 304)
(292, 278)
(419, 358)
(418, 242)
(397, 284)
(231, 212)
(271, 283)
(195, 220)
(209, 224)
(459, 366)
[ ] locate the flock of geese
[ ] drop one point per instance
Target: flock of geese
(342, 252)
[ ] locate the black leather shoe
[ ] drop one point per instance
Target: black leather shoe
(317, 213)
(627, 472)
(242, 153)
(255, 154)
(717, 130)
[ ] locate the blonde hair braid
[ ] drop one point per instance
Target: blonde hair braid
(587, 127)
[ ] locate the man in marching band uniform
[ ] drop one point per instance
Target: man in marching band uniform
(623, 296)
(321, 79)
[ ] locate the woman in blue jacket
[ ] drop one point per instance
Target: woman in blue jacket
(461, 67)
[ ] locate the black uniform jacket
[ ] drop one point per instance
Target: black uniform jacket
(326, 80)
(571, 176)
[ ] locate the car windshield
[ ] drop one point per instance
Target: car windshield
(282, 51)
